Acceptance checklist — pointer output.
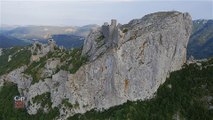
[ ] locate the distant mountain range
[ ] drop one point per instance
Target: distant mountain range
(69, 41)
(8, 41)
(69, 37)
(200, 44)
(201, 41)
(42, 32)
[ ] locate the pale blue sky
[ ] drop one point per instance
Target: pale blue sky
(82, 12)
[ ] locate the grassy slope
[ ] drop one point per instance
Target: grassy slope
(20, 57)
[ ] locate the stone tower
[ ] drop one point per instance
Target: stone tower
(51, 42)
(110, 33)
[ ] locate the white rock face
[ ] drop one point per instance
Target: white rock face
(50, 67)
(16, 76)
(9, 58)
(137, 65)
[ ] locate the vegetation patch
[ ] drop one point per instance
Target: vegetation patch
(43, 99)
(8, 111)
(125, 30)
(100, 41)
(19, 56)
(76, 60)
(67, 103)
(100, 38)
(35, 68)
(76, 105)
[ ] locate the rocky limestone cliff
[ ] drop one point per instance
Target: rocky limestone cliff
(126, 62)
(133, 60)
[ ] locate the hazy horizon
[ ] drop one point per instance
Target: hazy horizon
(84, 12)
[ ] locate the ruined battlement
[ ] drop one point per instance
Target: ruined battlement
(39, 50)
(114, 22)
(110, 32)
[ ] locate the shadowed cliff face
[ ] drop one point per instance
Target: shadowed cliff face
(126, 62)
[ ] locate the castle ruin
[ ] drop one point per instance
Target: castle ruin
(110, 33)
(39, 50)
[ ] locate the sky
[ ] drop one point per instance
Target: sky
(83, 12)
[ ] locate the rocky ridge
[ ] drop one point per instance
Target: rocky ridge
(131, 64)
(126, 62)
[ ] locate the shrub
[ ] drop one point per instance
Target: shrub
(67, 103)
(77, 60)
(125, 30)
(43, 99)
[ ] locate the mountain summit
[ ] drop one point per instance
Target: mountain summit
(129, 62)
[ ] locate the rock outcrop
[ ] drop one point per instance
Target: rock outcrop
(133, 60)
(126, 62)
(39, 50)
(0, 51)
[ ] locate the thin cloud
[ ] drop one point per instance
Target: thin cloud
(81, 12)
(102, 0)
(76, 0)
